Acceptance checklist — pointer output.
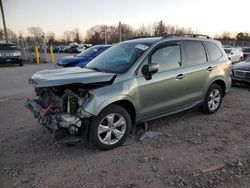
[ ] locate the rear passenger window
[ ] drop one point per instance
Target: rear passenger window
(168, 57)
(193, 53)
(214, 51)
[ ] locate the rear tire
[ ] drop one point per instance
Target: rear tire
(110, 128)
(212, 99)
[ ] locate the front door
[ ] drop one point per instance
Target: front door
(163, 91)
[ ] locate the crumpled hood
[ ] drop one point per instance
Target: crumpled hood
(74, 75)
(72, 59)
(242, 66)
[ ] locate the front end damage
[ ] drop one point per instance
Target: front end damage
(62, 98)
(62, 112)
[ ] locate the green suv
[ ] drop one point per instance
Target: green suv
(132, 82)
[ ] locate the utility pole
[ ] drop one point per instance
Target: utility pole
(4, 24)
(120, 32)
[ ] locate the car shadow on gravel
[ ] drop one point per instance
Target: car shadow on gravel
(241, 85)
(8, 65)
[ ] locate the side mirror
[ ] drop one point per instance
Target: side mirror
(149, 69)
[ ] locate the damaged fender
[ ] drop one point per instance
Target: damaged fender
(117, 92)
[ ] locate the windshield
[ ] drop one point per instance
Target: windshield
(245, 49)
(89, 52)
(7, 47)
(247, 59)
(119, 58)
(227, 50)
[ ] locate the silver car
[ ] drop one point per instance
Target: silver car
(130, 83)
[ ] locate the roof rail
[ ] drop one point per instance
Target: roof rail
(145, 36)
(187, 35)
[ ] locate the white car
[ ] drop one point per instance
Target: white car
(81, 47)
(234, 54)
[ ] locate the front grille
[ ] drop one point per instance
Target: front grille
(247, 75)
(240, 74)
(7, 54)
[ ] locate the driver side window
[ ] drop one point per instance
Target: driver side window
(168, 57)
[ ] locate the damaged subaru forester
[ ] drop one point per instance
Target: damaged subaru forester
(132, 82)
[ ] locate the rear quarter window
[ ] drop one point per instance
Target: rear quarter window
(214, 51)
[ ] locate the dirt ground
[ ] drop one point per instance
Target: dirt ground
(193, 150)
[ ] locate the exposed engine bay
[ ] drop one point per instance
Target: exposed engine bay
(60, 110)
(63, 97)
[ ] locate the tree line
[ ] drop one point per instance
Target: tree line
(100, 34)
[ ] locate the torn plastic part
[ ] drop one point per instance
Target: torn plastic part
(82, 102)
(66, 120)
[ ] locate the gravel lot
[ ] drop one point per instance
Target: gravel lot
(193, 150)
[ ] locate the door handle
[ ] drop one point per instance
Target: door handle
(210, 68)
(180, 77)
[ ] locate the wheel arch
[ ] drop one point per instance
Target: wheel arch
(222, 84)
(124, 101)
(129, 107)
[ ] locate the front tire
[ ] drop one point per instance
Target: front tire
(212, 99)
(110, 128)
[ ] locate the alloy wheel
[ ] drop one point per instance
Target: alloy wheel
(214, 99)
(111, 129)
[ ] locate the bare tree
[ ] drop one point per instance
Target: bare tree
(67, 35)
(11, 35)
(96, 34)
(127, 31)
(143, 31)
(50, 36)
(76, 34)
(36, 32)
(159, 28)
(1, 34)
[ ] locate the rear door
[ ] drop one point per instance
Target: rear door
(195, 70)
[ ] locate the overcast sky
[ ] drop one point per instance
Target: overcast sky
(206, 16)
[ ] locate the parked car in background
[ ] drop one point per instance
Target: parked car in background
(9, 54)
(226, 46)
(83, 58)
(234, 54)
(57, 49)
(81, 48)
(241, 72)
(132, 82)
(246, 52)
(71, 49)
